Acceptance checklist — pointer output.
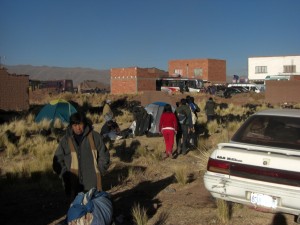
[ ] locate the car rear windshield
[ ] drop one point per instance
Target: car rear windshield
(271, 131)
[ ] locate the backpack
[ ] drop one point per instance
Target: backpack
(181, 117)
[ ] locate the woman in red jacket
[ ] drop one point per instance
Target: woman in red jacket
(168, 127)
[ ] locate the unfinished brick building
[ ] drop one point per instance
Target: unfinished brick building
(13, 91)
(211, 70)
(132, 80)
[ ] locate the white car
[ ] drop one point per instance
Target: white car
(260, 167)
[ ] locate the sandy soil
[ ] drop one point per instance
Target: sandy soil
(166, 201)
(170, 203)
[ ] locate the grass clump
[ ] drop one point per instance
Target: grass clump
(212, 127)
(223, 211)
(139, 215)
(181, 175)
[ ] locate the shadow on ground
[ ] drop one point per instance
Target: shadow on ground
(36, 200)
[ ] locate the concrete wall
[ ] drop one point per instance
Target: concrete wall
(213, 70)
(14, 94)
(274, 66)
(282, 91)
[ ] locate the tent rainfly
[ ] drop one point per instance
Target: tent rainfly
(56, 109)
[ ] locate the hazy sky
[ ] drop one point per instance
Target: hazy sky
(104, 34)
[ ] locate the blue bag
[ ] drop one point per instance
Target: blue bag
(94, 208)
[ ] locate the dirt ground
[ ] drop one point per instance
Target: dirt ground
(166, 201)
(170, 203)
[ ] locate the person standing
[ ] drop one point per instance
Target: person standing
(210, 107)
(184, 117)
(81, 157)
(107, 109)
(168, 127)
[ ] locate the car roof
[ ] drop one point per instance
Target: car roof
(280, 112)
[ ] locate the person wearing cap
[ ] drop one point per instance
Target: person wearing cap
(107, 109)
(80, 157)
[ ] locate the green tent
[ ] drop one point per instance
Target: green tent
(56, 109)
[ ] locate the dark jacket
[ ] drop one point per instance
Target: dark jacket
(185, 109)
(210, 108)
(86, 171)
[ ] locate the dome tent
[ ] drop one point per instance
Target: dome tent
(56, 109)
(156, 109)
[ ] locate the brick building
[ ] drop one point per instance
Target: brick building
(283, 91)
(132, 80)
(13, 91)
(212, 70)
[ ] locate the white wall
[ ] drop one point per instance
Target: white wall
(274, 66)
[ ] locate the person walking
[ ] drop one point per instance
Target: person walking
(168, 127)
(184, 117)
(210, 107)
(81, 157)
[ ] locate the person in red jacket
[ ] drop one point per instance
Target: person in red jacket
(168, 127)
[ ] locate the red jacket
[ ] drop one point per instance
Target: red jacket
(168, 121)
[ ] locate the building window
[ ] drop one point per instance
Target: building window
(198, 72)
(178, 72)
(261, 69)
(289, 69)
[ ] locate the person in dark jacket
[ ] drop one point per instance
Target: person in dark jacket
(168, 127)
(74, 158)
(186, 125)
(210, 107)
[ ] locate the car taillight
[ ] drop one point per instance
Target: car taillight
(218, 166)
(254, 172)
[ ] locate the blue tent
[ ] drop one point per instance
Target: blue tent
(56, 109)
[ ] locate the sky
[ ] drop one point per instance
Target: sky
(105, 34)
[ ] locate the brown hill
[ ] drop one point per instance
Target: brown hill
(77, 74)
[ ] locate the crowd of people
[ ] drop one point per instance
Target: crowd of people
(82, 157)
(181, 125)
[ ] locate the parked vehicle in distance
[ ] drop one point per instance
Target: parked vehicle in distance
(250, 87)
(227, 92)
(176, 84)
(259, 167)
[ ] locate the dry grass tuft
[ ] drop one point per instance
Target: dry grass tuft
(135, 174)
(181, 175)
(204, 156)
(223, 211)
(139, 215)
(212, 127)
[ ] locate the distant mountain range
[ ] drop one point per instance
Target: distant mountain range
(76, 74)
